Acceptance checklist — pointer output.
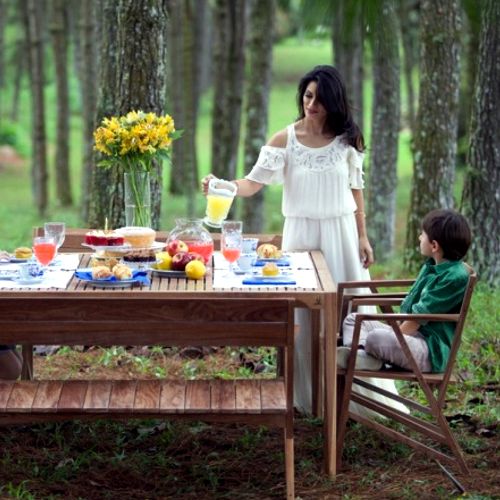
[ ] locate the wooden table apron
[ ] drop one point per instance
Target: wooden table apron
(82, 315)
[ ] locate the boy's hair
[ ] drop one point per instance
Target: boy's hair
(451, 230)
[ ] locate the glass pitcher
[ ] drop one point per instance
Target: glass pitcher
(196, 237)
(220, 196)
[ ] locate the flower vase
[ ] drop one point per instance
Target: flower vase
(137, 199)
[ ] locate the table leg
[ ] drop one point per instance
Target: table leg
(330, 388)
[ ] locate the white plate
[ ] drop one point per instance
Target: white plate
(15, 260)
(168, 273)
(113, 248)
(111, 284)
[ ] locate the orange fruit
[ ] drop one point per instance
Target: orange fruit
(195, 270)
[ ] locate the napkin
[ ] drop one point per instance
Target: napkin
(266, 280)
(282, 262)
(138, 276)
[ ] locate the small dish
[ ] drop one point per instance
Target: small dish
(168, 273)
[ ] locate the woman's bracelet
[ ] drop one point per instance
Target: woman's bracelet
(361, 213)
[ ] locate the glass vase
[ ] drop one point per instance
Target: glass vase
(137, 199)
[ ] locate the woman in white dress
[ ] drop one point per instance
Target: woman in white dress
(319, 161)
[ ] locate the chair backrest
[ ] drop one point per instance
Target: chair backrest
(457, 337)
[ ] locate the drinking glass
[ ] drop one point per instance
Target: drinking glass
(44, 248)
(56, 230)
(231, 242)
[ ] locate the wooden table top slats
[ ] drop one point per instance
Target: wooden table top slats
(161, 284)
(144, 396)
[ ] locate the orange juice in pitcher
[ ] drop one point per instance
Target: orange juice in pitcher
(220, 196)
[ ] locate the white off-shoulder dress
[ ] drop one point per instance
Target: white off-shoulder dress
(318, 207)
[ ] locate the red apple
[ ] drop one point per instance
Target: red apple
(180, 260)
(176, 246)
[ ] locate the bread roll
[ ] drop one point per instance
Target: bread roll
(101, 272)
(23, 253)
(122, 272)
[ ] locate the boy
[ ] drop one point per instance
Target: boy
(439, 288)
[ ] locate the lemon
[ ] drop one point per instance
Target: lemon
(163, 261)
(270, 269)
(195, 269)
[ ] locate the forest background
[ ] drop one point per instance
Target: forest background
(423, 78)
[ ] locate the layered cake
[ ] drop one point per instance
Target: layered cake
(99, 237)
(138, 237)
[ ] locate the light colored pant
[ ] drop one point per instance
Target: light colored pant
(380, 341)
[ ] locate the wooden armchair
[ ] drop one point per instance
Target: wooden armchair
(434, 385)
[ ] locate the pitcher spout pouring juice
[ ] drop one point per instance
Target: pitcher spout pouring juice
(220, 196)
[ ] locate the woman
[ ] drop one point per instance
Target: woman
(318, 159)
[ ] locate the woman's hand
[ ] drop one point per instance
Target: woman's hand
(205, 181)
(365, 252)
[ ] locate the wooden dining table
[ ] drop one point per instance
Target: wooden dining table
(82, 314)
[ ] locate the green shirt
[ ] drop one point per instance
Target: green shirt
(439, 288)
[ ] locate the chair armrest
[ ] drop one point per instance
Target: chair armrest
(377, 283)
(404, 317)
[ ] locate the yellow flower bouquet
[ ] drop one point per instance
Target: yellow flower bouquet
(133, 141)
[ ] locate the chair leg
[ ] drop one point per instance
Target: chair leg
(289, 464)
(27, 368)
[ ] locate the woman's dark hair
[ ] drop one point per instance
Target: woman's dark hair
(332, 95)
(451, 230)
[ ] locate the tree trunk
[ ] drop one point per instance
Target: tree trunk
(185, 97)
(175, 92)
(408, 21)
(59, 32)
(132, 32)
(229, 62)
(88, 36)
(19, 64)
(472, 10)
(481, 195)
(385, 127)
(33, 16)
(3, 15)
(260, 52)
(437, 117)
(347, 39)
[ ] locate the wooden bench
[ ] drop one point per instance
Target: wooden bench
(180, 321)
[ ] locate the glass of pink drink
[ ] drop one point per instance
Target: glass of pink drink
(44, 248)
(231, 242)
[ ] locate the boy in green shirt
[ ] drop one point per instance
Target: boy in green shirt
(439, 288)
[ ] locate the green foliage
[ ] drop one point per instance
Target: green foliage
(8, 134)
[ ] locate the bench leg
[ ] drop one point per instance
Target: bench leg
(289, 464)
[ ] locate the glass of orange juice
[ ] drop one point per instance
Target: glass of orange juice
(220, 197)
(44, 248)
(231, 242)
